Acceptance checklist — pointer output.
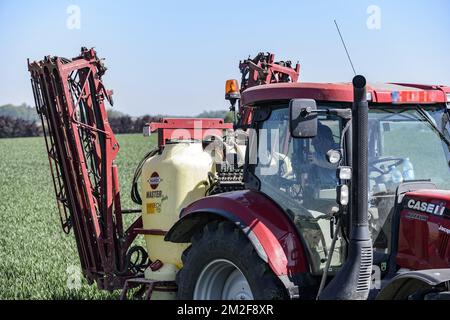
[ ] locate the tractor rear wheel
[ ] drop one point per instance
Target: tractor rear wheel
(221, 264)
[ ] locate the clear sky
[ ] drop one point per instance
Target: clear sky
(174, 57)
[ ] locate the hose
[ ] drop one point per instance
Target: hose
(330, 256)
(139, 264)
(135, 196)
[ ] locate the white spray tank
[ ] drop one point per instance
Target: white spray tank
(171, 179)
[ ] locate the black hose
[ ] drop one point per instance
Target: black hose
(330, 256)
(139, 264)
(135, 196)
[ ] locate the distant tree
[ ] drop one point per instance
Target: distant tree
(114, 113)
(142, 121)
(229, 117)
(224, 114)
(122, 124)
(23, 120)
(12, 128)
(213, 114)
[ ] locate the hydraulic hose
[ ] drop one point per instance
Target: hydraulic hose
(135, 196)
(330, 256)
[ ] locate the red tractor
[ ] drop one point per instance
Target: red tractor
(333, 191)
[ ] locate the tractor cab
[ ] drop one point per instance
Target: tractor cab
(305, 166)
(302, 176)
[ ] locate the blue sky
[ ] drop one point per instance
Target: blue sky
(174, 57)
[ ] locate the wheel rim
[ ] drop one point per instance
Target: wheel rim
(222, 280)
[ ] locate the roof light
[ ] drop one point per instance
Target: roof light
(232, 89)
(413, 96)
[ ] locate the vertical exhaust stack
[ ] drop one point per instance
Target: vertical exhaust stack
(353, 280)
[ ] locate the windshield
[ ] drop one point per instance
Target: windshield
(404, 145)
(296, 174)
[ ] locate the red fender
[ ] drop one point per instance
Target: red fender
(269, 229)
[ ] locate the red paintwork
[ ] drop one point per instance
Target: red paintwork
(187, 128)
(264, 70)
(343, 92)
(61, 89)
(421, 244)
(267, 221)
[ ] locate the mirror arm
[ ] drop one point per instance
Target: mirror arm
(342, 113)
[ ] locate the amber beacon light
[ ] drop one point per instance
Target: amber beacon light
(232, 89)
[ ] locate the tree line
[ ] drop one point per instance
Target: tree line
(127, 124)
(16, 127)
(27, 126)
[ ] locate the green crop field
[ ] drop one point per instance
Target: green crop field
(36, 257)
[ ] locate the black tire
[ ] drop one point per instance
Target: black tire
(223, 240)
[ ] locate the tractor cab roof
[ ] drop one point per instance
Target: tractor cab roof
(388, 93)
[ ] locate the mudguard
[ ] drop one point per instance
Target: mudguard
(271, 232)
(431, 277)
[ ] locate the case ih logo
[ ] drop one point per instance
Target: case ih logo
(154, 180)
(437, 209)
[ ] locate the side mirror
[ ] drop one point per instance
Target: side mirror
(303, 118)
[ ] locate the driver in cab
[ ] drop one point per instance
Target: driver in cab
(322, 169)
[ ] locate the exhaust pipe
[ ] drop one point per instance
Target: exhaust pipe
(352, 282)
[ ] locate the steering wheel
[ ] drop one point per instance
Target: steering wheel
(375, 165)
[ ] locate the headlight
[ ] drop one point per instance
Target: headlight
(333, 156)
(342, 195)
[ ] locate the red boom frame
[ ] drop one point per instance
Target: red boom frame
(263, 70)
(70, 99)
